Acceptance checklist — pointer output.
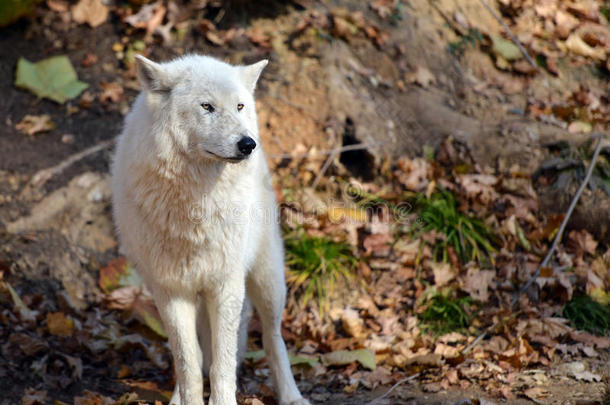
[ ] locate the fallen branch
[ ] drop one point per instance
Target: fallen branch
(404, 380)
(556, 241)
(358, 146)
(323, 170)
(42, 176)
(564, 223)
(510, 34)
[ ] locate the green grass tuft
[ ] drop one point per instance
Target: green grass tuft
(444, 314)
(316, 265)
(586, 314)
(468, 236)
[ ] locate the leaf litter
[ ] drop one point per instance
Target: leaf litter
(378, 324)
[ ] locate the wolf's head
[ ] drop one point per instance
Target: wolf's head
(204, 105)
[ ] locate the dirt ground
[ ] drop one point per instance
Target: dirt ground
(55, 237)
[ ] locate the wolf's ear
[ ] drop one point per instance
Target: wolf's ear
(152, 76)
(251, 73)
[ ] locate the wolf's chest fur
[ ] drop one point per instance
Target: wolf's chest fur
(196, 219)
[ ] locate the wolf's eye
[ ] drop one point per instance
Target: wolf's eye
(208, 107)
(240, 107)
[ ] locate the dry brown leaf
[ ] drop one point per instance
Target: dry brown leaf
(578, 46)
(565, 23)
(34, 397)
(551, 326)
(421, 76)
(112, 93)
(27, 344)
(59, 324)
(89, 60)
(447, 351)
(258, 36)
(384, 8)
(479, 186)
(253, 401)
(59, 6)
(443, 272)
(581, 242)
(536, 393)
(352, 323)
(413, 173)
(92, 12)
(34, 124)
(477, 282)
(141, 18)
(122, 298)
(377, 244)
(407, 250)
(601, 342)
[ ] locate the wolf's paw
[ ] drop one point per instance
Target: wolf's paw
(300, 401)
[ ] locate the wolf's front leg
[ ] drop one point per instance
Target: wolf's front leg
(267, 290)
(225, 307)
(178, 312)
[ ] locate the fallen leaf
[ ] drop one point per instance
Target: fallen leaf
(146, 312)
(447, 351)
(89, 60)
(113, 92)
(153, 351)
(258, 36)
(580, 127)
(480, 186)
(505, 48)
(413, 173)
(578, 46)
(581, 242)
(421, 76)
(59, 6)
(59, 324)
(253, 401)
(117, 273)
(122, 298)
(302, 360)
(29, 345)
(564, 23)
(384, 8)
(477, 282)
(352, 323)
(377, 244)
(149, 17)
(536, 393)
(34, 124)
(25, 313)
(343, 357)
(34, 397)
(53, 78)
(443, 273)
(92, 12)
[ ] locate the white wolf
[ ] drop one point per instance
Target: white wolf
(196, 215)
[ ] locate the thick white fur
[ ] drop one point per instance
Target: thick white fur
(201, 228)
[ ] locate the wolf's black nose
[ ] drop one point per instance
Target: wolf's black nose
(246, 145)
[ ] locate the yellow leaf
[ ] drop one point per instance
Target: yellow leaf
(59, 325)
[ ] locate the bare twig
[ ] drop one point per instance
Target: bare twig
(404, 380)
(42, 176)
(510, 34)
(564, 223)
(556, 241)
(323, 170)
(358, 146)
